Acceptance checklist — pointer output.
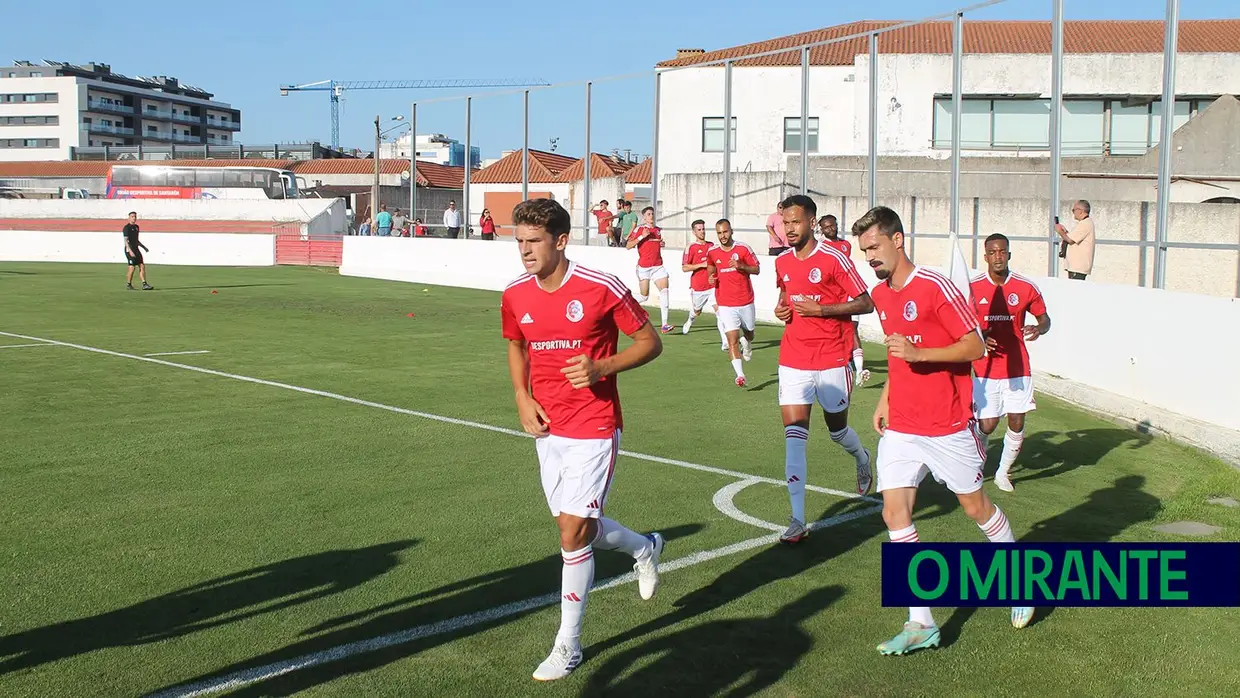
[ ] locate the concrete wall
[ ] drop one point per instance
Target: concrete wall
(191, 249)
(1103, 348)
(1211, 272)
(303, 210)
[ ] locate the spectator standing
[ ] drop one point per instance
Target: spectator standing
(487, 224)
(778, 240)
(602, 212)
(452, 220)
(419, 230)
(364, 228)
(398, 223)
(1080, 256)
(384, 221)
(628, 219)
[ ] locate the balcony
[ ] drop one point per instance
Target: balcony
(187, 118)
(182, 138)
(223, 124)
(114, 130)
(99, 105)
(165, 115)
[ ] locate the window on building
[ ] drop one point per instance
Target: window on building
(712, 134)
(36, 73)
(1083, 127)
(975, 124)
(30, 98)
(792, 134)
(1021, 124)
(1183, 110)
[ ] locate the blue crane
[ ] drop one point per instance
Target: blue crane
(337, 87)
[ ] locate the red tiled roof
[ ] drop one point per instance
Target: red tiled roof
(639, 174)
(987, 37)
(63, 168)
(432, 174)
(601, 167)
(350, 166)
(545, 168)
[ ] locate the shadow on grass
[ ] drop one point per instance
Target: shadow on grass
(706, 659)
(229, 599)
(1048, 454)
(1107, 513)
(403, 628)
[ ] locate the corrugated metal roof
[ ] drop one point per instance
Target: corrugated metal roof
(982, 37)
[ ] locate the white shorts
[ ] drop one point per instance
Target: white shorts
(576, 473)
(647, 273)
(955, 460)
(995, 397)
(737, 318)
(830, 387)
(700, 299)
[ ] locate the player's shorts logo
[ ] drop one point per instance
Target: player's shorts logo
(575, 311)
(815, 275)
(910, 311)
(1013, 299)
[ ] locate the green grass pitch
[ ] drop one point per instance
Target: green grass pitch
(164, 527)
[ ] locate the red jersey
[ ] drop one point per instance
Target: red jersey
(1001, 310)
(827, 277)
(696, 254)
(650, 250)
(583, 316)
(604, 220)
(927, 399)
(733, 289)
(840, 244)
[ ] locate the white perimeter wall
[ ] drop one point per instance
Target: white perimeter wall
(303, 210)
(1121, 349)
(192, 249)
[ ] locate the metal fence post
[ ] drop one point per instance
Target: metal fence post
(957, 110)
(525, 149)
(727, 140)
(805, 121)
(872, 176)
(413, 164)
(585, 200)
(1170, 47)
(1056, 135)
(654, 152)
(468, 163)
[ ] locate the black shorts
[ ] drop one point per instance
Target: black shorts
(135, 259)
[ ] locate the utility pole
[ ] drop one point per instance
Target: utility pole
(374, 195)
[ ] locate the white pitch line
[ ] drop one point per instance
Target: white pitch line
(426, 415)
(178, 353)
(19, 346)
(246, 677)
(723, 502)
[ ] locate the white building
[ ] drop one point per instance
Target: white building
(433, 147)
(1112, 81)
(46, 110)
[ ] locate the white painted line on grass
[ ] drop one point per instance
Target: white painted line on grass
(246, 677)
(178, 353)
(723, 502)
(19, 346)
(426, 415)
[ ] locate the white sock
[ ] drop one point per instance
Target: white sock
(858, 357)
(918, 614)
(641, 299)
(1012, 441)
(850, 441)
(614, 536)
(796, 438)
(723, 336)
(689, 322)
(997, 529)
(664, 303)
(736, 366)
(574, 589)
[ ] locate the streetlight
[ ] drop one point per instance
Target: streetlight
(374, 195)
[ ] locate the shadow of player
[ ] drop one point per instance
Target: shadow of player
(402, 628)
(218, 602)
(1047, 454)
(1106, 514)
(746, 655)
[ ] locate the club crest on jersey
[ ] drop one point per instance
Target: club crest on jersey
(575, 311)
(815, 275)
(1013, 299)
(910, 311)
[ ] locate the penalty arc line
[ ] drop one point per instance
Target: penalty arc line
(178, 353)
(427, 415)
(270, 671)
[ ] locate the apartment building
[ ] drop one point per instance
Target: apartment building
(46, 109)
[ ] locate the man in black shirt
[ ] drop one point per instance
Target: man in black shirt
(133, 253)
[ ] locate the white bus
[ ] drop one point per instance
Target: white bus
(172, 182)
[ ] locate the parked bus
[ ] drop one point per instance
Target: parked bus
(159, 182)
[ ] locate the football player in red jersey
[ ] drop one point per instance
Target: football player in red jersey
(700, 290)
(729, 266)
(829, 228)
(1004, 380)
(819, 291)
(648, 239)
(925, 413)
(562, 322)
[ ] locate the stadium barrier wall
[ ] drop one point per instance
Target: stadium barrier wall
(1118, 350)
(189, 249)
(326, 215)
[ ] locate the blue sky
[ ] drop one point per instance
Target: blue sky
(243, 52)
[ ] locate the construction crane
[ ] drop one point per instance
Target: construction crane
(337, 87)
